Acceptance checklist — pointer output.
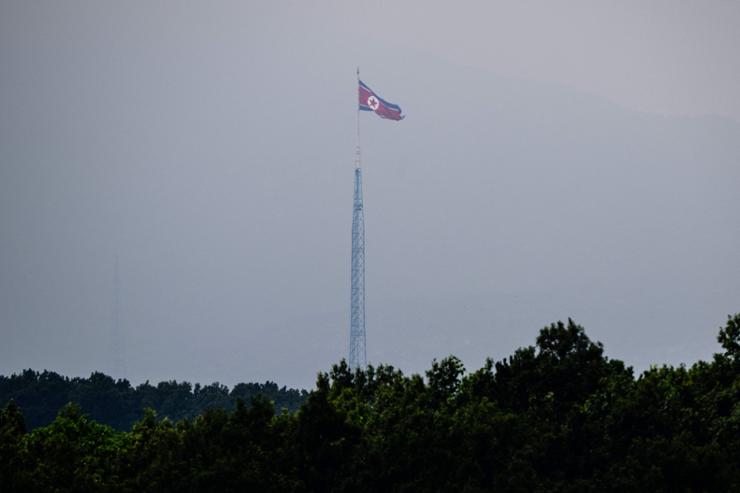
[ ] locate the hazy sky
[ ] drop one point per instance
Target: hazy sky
(569, 159)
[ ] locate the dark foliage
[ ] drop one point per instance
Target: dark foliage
(558, 416)
(40, 395)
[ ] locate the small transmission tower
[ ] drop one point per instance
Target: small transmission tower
(118, 364)
(357, 351)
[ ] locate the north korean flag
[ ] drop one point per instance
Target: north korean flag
(369, 101)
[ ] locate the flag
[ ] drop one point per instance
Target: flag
(369, 101)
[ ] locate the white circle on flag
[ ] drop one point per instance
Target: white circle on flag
(373, 102)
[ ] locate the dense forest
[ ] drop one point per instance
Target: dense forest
(556, 416)
(40, 395)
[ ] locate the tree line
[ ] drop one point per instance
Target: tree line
(555, 416)
(40, 396)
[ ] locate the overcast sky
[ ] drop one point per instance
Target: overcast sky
(569, 159)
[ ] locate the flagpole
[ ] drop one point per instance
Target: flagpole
(357, 338)
(357, 105)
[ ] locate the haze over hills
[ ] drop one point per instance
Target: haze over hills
(572, 207)
(220, 172)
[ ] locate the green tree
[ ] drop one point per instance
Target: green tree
(729, 337)
(12, 432)
(73, 453)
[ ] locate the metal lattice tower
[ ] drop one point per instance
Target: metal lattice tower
(118, 363)
(357, 351)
